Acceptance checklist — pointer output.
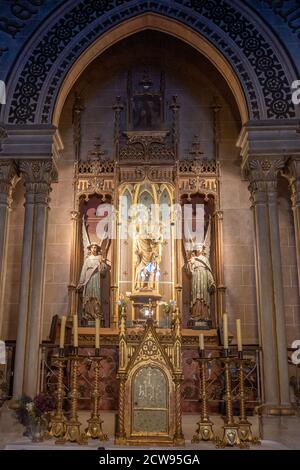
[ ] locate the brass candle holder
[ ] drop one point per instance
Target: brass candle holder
(73, 433)
(58, 422)
(231, 436)
(94, 429)
(204, 431)
(245, 431)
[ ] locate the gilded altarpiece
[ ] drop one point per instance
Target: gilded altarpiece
(152, 281)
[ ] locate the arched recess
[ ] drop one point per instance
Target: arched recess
(251, 60)
(161, 24)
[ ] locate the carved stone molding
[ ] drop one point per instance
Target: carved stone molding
(152, 173)
(38, 176)
(222, 23)
(262, 174)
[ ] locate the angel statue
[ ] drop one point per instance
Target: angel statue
(147, 250)
(203, 284)
(93, 270)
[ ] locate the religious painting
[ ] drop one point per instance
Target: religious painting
(146, 111)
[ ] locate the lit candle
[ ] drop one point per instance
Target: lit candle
(62, 332)
(201, 341)
(225, 330)
(97, 335)
(75, 331)
(239, 334)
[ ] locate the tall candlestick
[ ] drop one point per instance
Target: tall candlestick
(225, 330)
(239, 334)
(201, 341)
(97, 335)
(62, 332)
(75, 331)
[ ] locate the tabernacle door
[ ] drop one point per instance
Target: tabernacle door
(150, 402)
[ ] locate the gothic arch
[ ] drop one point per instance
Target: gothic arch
(254, 64)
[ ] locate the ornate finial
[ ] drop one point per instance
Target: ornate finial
(196, 151)
(175, 102)
(97, 153)
(146, 81)
(118, 106)
(123, 322)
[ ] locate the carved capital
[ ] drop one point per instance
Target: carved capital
(3, 135)
(38, 175)
(292, 173)
(8, 176)
(262, 174)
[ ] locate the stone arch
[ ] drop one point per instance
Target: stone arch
(259, 67)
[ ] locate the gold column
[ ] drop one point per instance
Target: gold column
(123, 355)
(221, 289)
(178, 437)
(58, 422)
(94, 429)
(74, 263)
(245, 431)
(177, 255)
(204, 431)
(73, 433)
(231, 435)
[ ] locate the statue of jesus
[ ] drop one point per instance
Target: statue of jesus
(147, 250)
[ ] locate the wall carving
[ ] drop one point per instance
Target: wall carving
(288, 11)
(59, 48)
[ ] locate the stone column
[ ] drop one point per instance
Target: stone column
(294, 178)
(37, 175)
(7, 175)
(263, 186)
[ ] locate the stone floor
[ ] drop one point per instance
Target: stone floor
(25, 444)
(277, 433)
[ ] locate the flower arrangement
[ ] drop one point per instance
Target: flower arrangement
(34, 414)
(123, 300)
(168, 308)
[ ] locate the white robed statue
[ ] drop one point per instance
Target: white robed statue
(92, 272)
(203, 283)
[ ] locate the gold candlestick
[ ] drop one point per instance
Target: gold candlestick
(204, 431)
(245, 431)
(230, 429)
(94, 429)
(73, 433)
(58, 422)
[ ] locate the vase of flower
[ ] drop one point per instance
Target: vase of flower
(36, 431)
(35, 414)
